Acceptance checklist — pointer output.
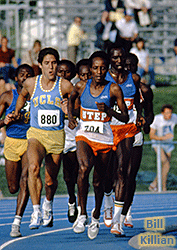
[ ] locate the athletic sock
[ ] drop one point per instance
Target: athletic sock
(108, 199)
(122, 217)
(118, 206)
(129, 211)
(17, 220)
(36, 208)
(47, 205)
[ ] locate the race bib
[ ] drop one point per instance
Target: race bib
(93, 127)
(48, 118)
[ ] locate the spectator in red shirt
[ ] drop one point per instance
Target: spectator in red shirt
(7, 57)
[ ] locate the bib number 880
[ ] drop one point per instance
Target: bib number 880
(48, 118)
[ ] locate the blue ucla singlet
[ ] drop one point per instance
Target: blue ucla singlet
(18, 128)
(94, 124)
(46, 112)
(129, 90)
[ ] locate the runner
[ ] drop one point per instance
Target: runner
(46, 134)
(123, 138)
(15, 145)
(94, 138)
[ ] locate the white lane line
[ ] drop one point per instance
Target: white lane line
(33, 235)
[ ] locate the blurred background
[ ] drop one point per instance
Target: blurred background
(22, 22)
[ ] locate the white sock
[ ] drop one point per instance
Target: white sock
(36, 208)
(118, 206)
(47, 205)
(122, 217)
(17, 220)
(129, 211)
(108, 200)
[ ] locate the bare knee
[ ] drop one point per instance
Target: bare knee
(34, 170)
(13, 188)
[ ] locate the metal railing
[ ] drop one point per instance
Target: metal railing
(158, 160)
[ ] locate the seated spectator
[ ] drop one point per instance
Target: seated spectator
(143, 65)
(162, 130)
(31, 56)
(107, 33)
(142, 10)
(99, 29)
(115, 8)
(7, 56)
(128, 30)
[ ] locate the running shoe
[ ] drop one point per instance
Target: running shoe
(36, 220)
(117, 230)
(72, 212)
(128, 221)
(108, 214)
(47, 218)
(93, 228)
(15, 231)
(80, 223)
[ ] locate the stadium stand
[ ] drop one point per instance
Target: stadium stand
(49, 22)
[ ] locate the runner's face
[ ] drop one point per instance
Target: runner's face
(98, 69)
(84, 72)
(23, 74)
(64, 71)
(130, 65)
(117, 59)
(49, 67)
(167, 114)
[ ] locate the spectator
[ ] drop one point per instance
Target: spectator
(128, 30)
(162, 130)
(31, 57)
(107, 33)
(142, 11)
(7, 56)
(115, 8)
(74, 37)
(143, 65)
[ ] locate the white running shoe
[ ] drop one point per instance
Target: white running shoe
(36, 220)
(15, 231)
(128, 221)
(47, 218)
(93, 228)
(80, 223)
(108, 214)
(117, 229)
(72, 212)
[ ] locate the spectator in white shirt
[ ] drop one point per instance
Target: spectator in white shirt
(143, 57)
(128, 30)
(162, 130)
(139, 5)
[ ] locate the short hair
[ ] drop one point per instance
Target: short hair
(71, 66)
(166, 106)
(82, 62)
(100, 54)
(4, 37)
(24, 66)
(114, 47)
(133, 57)
(48, 51)
(37, 41)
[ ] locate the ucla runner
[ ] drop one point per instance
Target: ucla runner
(46, 134)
